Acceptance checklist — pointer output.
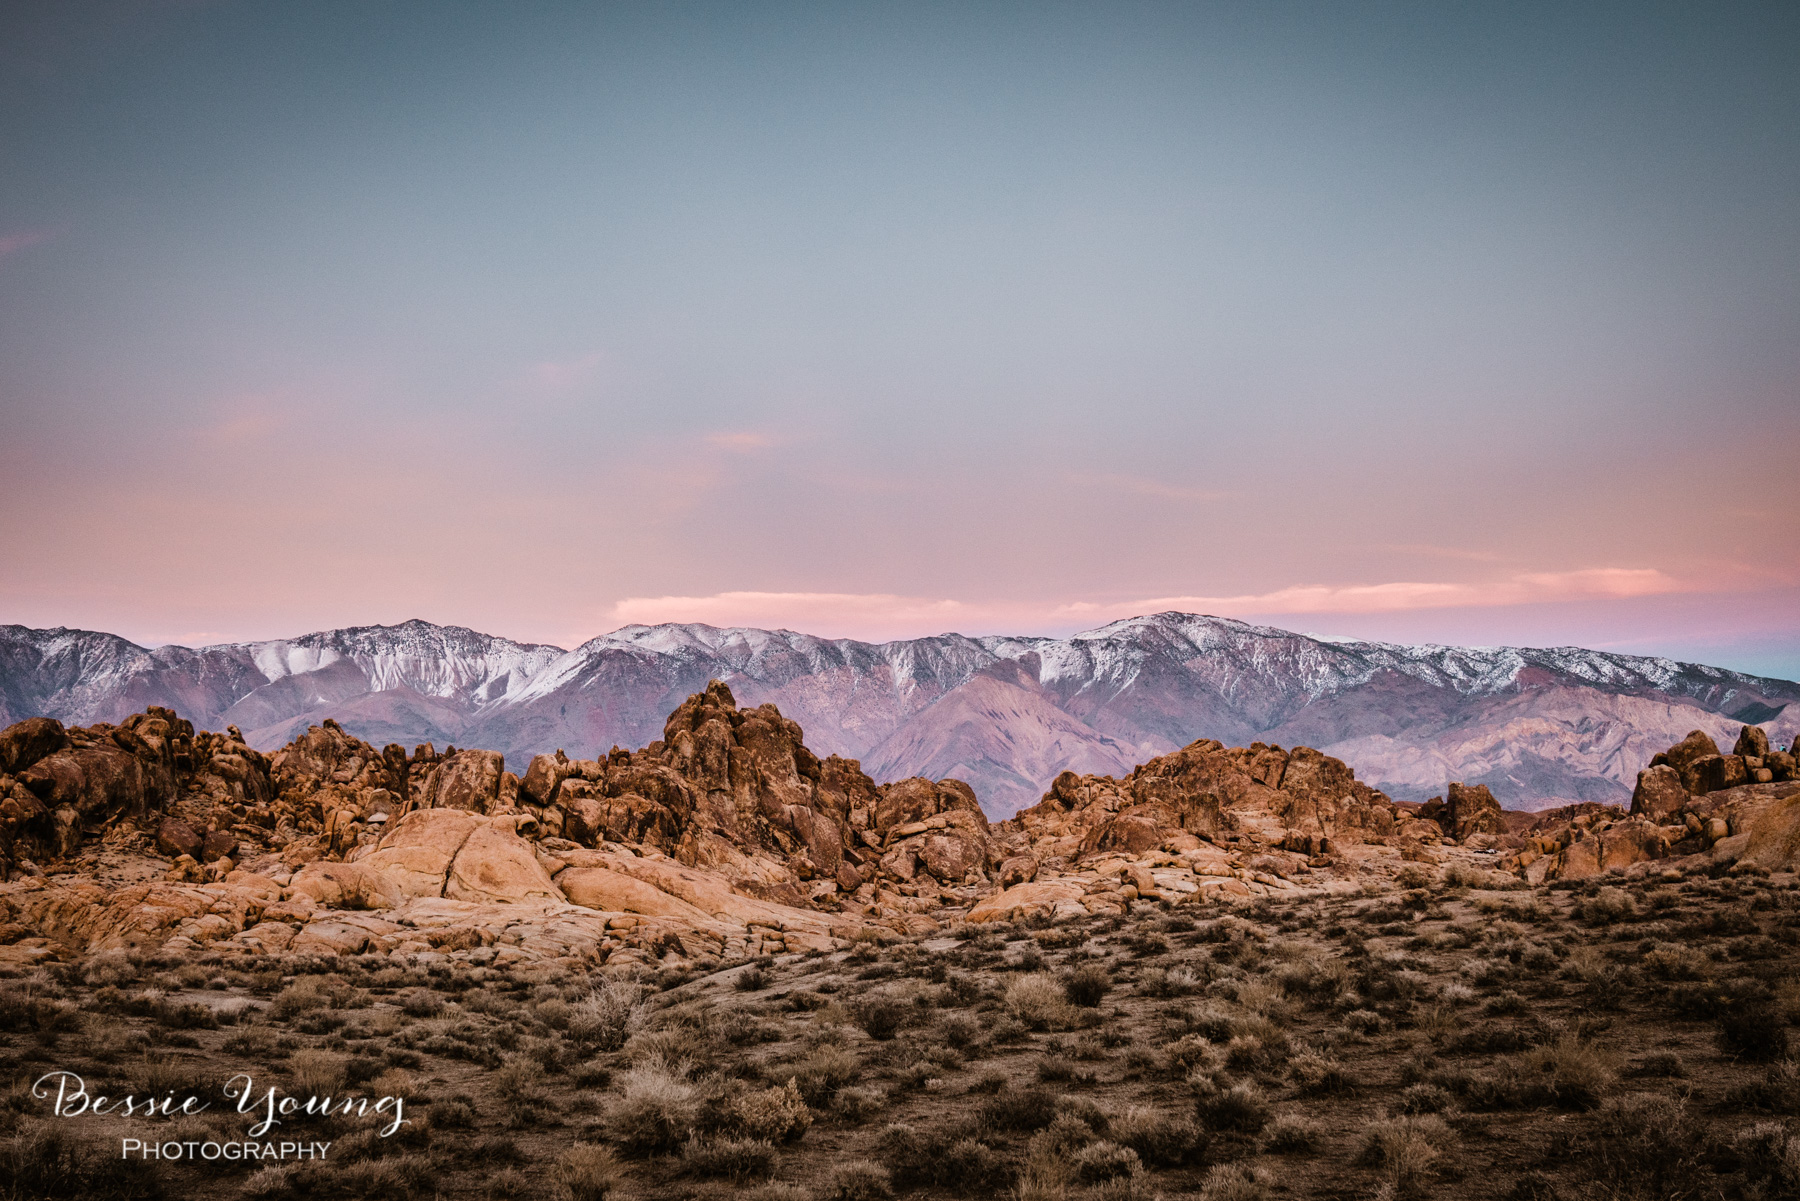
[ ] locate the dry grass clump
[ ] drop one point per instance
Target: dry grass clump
(1241, 1108)
(820, 1073)
(1087, 985)
(1407, 1150)
(1236, 1182)
(774, 1115)
(654, 1111)
(730, 1158)
(316, 1073)
(1039, 1002)
(859, 1180)
(1291, 1134)
(1161, 1139)
(606, 1018)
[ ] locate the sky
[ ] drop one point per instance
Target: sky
(1421, 322)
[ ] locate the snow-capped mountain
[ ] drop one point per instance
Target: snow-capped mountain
(1539, 726)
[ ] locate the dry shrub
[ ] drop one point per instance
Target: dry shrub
(1291, 1134)
(1753, 1029)
(1606, 907)
(1087, 985)
(1175, 982)
(1578, 1071)
(519, 1085)
(1241, 1108)
(1651, 1147)
(609, 1015)
(821, 1073)
(316, 1073)
(1235, 1182)
(858, 1105)
(859, 1180)
(1039, 1002)
(1161, 1140)
(775, 1115)
(1013, 1110)
(1769, 1156)
(40, 1159)
(776, 1190)
(1407, 1150)
(730, 1158)
(879, 1017)
(1315, 1075)
(1193, 1053)
(654, 1111)
(1099, 1162)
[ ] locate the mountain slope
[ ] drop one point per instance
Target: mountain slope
(1540, 727)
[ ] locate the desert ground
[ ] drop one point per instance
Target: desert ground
(1587, 1039)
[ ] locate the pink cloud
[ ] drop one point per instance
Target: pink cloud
(888, 615)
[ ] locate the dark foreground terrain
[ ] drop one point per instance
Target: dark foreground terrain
(1595, 1039)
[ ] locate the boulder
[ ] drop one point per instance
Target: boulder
(417, 853)
(1040, 898)
(615, 892)
(1685, 754)
(218, 844)
(495, 865)
(24, 743)
(1469, 810)
(543, 777)
(1771, 834)
(1752, 743)
(1658, 793)
(347, 886)
(468, 779)
(1020, 869)
(176, 838)
(1715, 773)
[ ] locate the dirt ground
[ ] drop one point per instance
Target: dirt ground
(1606, 1039)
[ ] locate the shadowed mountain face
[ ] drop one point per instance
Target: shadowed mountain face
(1538, 727)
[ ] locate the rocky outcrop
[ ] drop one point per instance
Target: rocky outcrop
(1298, 800)
(1465, 811)
(1690, 801)
(737, 791)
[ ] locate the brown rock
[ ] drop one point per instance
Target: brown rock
(24, 743)
(417, 853)
(603, 888)
(1752, 742)
(1780, 764)
(1658, 793)
(468, 779)
(1133, 834)
(542, 778)
(176, 838)
(495, 865)
(1685, 754)
(1718, 772)
(1020, 869)
(218, 844)
(347, 886)
(1471, 809)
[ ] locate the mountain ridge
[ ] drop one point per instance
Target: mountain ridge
(1541, 726)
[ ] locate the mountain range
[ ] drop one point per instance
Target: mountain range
(1539, 727)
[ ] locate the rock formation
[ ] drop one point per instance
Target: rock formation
(1690, 801)
(728, 837)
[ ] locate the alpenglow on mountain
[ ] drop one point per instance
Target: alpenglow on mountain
(1538, 727)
